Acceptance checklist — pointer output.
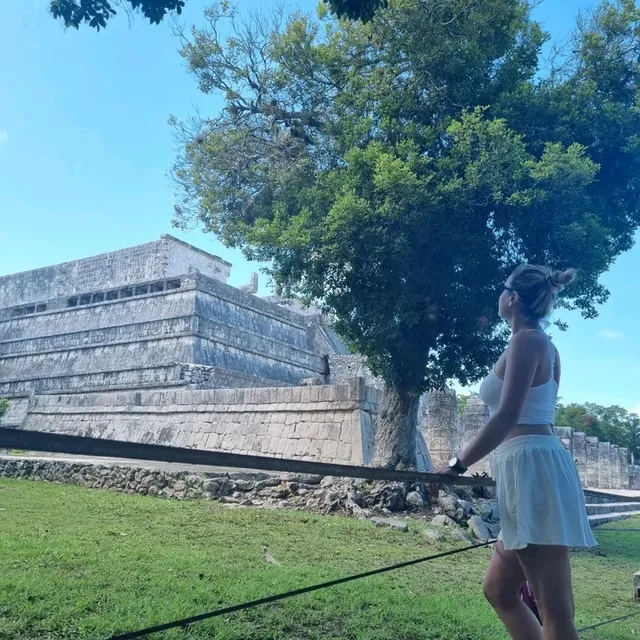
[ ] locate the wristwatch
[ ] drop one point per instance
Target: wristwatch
(455, 464)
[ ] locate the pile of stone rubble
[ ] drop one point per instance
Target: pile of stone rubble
(464, 513)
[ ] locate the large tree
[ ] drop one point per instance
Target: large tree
(96, 13)
(395, 171)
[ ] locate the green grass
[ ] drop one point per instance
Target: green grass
(78, 563)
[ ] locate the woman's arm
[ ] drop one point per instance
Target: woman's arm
(522, 359)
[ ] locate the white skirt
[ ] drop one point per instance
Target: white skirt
(540, 496)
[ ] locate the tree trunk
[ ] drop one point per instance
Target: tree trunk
(396, 430)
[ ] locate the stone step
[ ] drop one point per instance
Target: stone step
(604, 518)
(612, 507)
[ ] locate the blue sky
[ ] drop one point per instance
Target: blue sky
(85, 149)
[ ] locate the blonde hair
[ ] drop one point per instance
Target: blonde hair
(538, 287)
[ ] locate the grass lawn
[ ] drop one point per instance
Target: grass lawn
(79, 563)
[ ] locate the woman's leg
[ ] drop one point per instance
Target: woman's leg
(548, 571)
(502, 589)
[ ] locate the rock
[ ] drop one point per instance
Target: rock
(355, 497)
(244, 485)
(327, 481)
(479, 528)
(415, 500)
(433, 536)
(394, 498)
(392, 523)
(467, 507)
(488, 510)
(444, 521)
(494, 529)
(458, 534)
(449, 505)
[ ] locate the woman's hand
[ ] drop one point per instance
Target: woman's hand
(434, 489)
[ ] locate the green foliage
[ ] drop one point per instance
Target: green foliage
(395, 171)
(610, 424)
(356, 9)
(96, 13)
(4, 406)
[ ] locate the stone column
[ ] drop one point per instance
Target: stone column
(634, 477)
(440, 426)
(615, 467)
(475, 416)
(566, 437)
(604, 465)
(580, 454)
(592, 463)
(624, 467)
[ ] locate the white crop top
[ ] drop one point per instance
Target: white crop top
(540, 405)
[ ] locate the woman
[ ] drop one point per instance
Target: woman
(540, 497)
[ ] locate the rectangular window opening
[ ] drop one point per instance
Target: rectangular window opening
(173, 284)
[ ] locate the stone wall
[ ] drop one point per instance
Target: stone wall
(16, 413)
(333, 423)
(600, 464)
(134, 341)
(344, 367)
(330, 423)
(199, 376)
(165, 258)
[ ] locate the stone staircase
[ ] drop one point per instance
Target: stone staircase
(604, 508)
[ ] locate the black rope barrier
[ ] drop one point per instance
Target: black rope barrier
(598, 529)
(100, 447)
(602, 624)
(289, 594)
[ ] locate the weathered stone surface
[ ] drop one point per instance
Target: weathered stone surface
(479, 528)
(311, 382)
(443, 521)
(415, 500)
(449, 506)
(392, 523)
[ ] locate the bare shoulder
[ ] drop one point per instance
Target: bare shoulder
(526, 343)
(527, 340)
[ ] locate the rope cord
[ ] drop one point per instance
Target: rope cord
(289, 594)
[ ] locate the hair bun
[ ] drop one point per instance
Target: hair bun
(561, 279)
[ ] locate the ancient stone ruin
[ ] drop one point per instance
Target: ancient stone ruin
(150, 344)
